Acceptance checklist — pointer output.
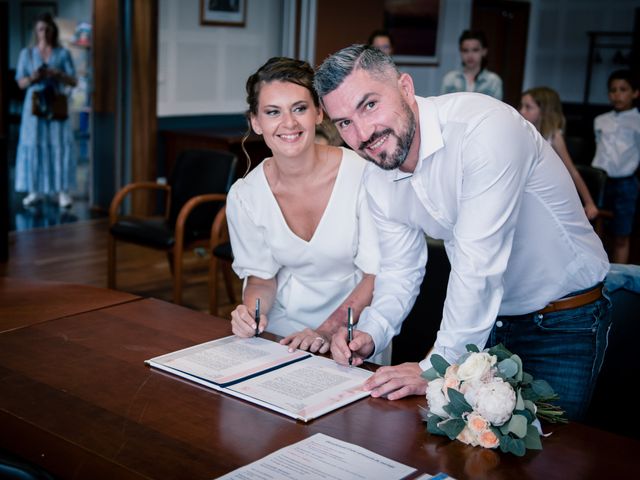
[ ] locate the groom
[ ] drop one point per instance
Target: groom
(526, 265)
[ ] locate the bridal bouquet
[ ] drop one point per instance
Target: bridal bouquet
(487, 399)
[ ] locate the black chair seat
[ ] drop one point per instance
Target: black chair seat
(153, 232)
(224, 252)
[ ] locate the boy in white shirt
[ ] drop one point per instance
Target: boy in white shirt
(618, 153)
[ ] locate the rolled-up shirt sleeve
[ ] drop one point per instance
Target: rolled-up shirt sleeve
(251, 252)
(403, 255)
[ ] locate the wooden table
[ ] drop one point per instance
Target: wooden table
(76, 398)
(24, 302)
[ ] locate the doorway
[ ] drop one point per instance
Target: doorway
(505, 24)
(73, 19)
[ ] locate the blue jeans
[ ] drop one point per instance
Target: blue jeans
(565, 348)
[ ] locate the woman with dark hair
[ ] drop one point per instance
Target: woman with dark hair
(302, 236)
(474, 76)
(45, 162)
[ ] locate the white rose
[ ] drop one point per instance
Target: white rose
(436, 398)
(495, 401)
(476, 366)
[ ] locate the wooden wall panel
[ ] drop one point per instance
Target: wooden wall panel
(341, 23)
(144, 73)
(105, 55)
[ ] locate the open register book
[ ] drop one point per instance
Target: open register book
(299, 384)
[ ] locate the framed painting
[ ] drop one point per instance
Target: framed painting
(29, 11)
(230, 13)
(416, 30)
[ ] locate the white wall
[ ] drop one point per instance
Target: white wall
(203, 69)
(558, 44)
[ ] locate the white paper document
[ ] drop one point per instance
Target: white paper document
(322, 457)
(309, 388)
(227, 360)
(298, 384)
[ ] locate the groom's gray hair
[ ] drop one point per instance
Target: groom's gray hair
(339, 66)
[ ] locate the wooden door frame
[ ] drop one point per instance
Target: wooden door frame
(502, 59)
(125, 91)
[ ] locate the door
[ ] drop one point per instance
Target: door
(506, 24)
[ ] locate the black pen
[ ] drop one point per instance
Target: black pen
(257, 317)
(350, 331)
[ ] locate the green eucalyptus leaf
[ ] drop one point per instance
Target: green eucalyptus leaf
(439, 363)
(452, 411)
(472, 348)
(505, 443)
(508, 368)
(527, 378)
(528, 393)
(452, 427)
(432, 425)
(516, 446)
(518, 425)
(526, 413)
(519, 400)
(542, 389)
(500, 351)
(430, 374)
(530, 406)
(532, 439)
(519, 374)
(457, 399)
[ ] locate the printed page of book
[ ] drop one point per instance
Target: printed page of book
(227, 360)
(305, 390)
(322, 456)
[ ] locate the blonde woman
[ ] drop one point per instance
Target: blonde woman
(542, 107)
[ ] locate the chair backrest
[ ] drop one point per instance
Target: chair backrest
(198, 172)
(596, 180)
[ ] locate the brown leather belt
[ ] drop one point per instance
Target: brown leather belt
(575, 301)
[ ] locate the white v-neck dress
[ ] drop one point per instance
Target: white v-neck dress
(313, 277)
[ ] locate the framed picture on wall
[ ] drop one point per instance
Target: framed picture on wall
(29, 11)
(416, 30)
(230, 13)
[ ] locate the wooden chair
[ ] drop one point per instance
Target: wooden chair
(596, 181)
(195, 194)
(220, 261)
